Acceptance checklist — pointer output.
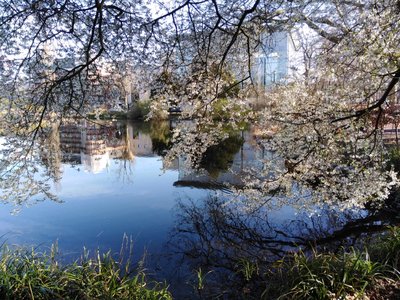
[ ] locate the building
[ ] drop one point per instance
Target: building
(278, 59)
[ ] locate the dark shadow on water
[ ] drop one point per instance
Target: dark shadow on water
(217, 244)
(219, 158)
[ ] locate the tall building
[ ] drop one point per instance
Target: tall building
(279, 58)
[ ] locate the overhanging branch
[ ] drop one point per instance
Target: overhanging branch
(378, 104)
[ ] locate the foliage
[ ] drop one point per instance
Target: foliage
(139, 110)
(163, 83)
(394, 158)
(223, 111)
(106, 115)
(324, 127)
(334, 162)
(353, 273)
(250, 253)
(64, 58)
(67, 58)
(28, 274)
(322, 275)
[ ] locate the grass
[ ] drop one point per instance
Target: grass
(351, 274)
(32, 275)
(371, 273)
(386, 249)
(329, 276)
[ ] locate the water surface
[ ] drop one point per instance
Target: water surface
(111, 180)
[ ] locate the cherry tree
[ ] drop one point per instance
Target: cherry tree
(326, 125)
(56, 54)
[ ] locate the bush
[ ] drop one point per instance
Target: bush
(394, 158)
(139, 110)
(223, 111)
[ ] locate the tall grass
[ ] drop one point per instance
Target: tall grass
(387, 248)
(33, 275)
(330, 276)
(349, 273)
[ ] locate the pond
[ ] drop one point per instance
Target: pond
(110, 180)
(103, 194)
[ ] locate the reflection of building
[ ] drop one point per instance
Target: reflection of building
(141, 143)
(85, 144)
(93, 145)
(95, 163)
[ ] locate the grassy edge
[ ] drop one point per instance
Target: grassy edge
(371, 273)
(28, 274)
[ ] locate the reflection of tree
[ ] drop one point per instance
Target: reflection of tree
(28, 169)
(51, 154)
(221, 236)
(127, 158)
(161, 136)
(124, 171)
(127, 153)
(219, 157)
(159, 132)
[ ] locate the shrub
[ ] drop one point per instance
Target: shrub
(139, 110)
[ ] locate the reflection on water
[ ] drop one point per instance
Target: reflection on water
(94, 145)
(225, 164)
(224, 241)
(111, 180)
